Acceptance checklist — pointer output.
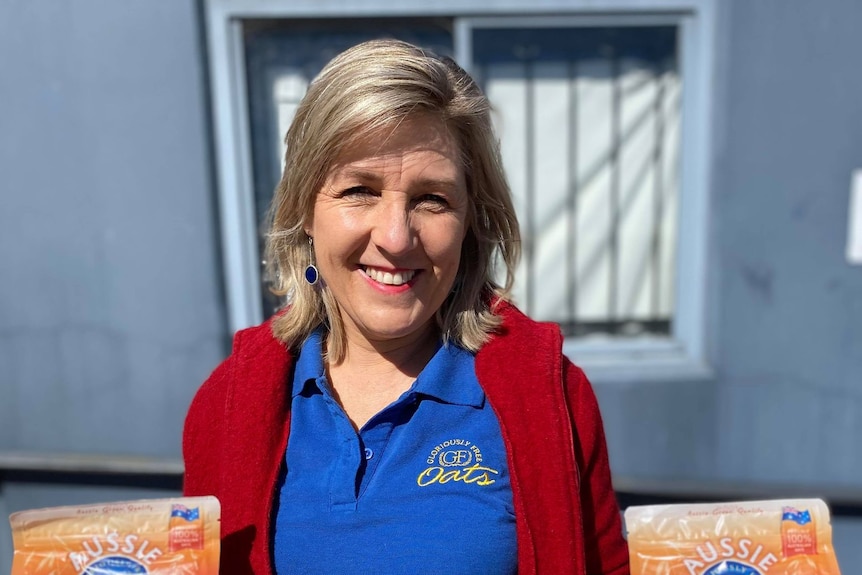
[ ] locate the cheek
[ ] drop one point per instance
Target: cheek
(336, 236)
(446, 249)
(336, 250)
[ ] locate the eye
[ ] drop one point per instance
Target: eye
(356, 191)
(433, 200)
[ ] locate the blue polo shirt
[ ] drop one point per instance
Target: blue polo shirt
(423, 487)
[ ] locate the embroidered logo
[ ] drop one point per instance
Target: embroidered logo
(456, 460)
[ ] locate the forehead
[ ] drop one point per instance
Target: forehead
(420, 140)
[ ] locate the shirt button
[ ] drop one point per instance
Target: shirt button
(369, 453)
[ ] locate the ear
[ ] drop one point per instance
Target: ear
(308, 223)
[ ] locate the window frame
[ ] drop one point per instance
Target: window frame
(683, 355)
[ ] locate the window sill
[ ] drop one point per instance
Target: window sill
(646, 360)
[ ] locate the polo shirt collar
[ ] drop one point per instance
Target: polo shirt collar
(449, 376)
(309, 364)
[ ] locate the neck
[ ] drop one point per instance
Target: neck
(407, 355)
(374, 374)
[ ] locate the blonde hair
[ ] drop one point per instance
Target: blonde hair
(371, 88)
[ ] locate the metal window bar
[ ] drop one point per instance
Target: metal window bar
(658, 187)
(613, 237)
(528, 241)
(643, 270)
(571, 245)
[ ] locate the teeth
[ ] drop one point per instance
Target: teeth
(396, 279)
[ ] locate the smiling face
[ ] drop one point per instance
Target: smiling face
(388, 225)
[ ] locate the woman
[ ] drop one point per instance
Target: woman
(399, 415)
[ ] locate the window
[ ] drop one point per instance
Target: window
(594, 113)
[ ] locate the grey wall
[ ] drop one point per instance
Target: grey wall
(111, 305)
(789, 321)
(785, 404)
(111, 309)
(785, 327)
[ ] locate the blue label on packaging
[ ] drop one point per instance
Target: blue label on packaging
(731, 568)
(115, 566)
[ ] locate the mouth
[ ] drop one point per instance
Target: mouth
(397, 278)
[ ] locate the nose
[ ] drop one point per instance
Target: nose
(393, 231)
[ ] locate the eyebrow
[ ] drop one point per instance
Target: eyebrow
(443, 184)
(358, 174)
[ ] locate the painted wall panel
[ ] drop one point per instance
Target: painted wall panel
(790, 327)
(111, 311)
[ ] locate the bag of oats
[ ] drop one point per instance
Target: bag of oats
(178, 536)
(778, 537)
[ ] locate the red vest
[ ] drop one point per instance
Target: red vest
(566, 515)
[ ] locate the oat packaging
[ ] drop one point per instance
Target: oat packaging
(778, 537)
(178, 536)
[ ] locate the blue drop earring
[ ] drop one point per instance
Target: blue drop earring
(311, 273)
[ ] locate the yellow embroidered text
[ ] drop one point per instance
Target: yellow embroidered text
(473, 474)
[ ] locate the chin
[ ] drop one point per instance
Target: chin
(389, 333)
(388, 330)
